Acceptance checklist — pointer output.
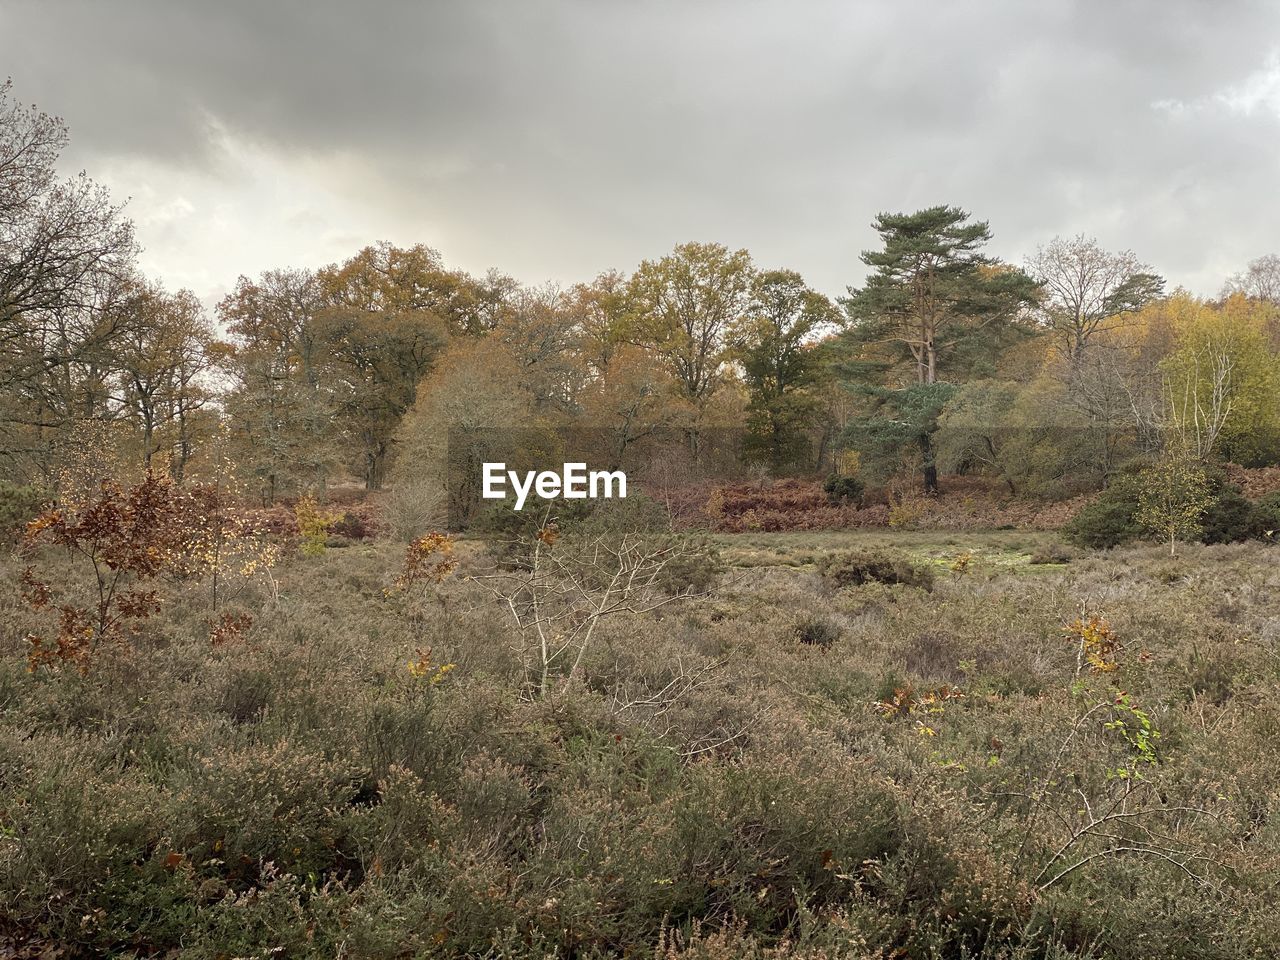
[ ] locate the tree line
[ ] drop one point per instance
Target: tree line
(1049, 376)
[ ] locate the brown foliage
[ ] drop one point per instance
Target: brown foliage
(967, 503)
(133, 540)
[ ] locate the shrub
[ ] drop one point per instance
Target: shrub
(858, 567)
(840, 488)
(18, 506)
(1231, 518)
(314, 525)
(135, 541)
(1053, 553)
(1110, 520)
(906, 512)
(414, 508)
(818, 631)
(357, 523)
(1267, 514)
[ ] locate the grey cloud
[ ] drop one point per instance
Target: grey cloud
(555, 139)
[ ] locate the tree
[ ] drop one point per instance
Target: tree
(64, 249)
(473, 409)
(413, 280)
(975, 430)
(1083, 287)
(899, 431)
(541, 332)
(682, 307)
(600, 312)
(781, 365)
(629, 402)
(1259, 281)
(1222, 383)
(167, 349)
(387, 315)
(932, 288)
(281, 405)
(1173, 497)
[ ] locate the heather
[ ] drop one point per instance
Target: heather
(1027, 760)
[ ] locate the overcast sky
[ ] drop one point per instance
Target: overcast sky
(555, 139)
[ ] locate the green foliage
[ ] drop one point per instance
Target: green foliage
(933, 293)
(18, 506)
(855, 568)
(841, 488)
(781, 366)
(898, 432)
(1231, 516)
(1110, 520)
(1173, 495)
(1267, 513)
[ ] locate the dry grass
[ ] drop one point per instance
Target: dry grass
(939, 774)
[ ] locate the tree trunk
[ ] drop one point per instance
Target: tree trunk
(929, 466)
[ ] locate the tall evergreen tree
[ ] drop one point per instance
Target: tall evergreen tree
(933, 290)
(933, 308)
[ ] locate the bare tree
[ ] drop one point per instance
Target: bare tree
(558, 591)
(1196, 414)
(1259, 281)
(63, 247)
(1084, 286)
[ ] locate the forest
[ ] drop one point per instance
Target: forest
(939, 619)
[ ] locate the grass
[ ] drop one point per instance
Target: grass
(991, 548)
(779, 769)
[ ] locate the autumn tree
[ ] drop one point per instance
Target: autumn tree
(682, 308)
(629, 402)
(63, 248)
(281, 405)
(1222, 383)
(163, 359)
(775, 345)
(386, 315)
(1083, 287)
(474, 408)
(599, 309)
(542, 333)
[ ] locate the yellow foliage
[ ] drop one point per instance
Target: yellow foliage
(314, 525)
(1099, 646)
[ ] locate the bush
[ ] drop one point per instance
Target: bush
(840, 488)
(1267, 513)
(858, 567)
(414, 508)
(818, 631)
(1230, 518)
(1110, 520)
(1053, 553)
(18, 506)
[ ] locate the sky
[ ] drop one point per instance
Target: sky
(554, 139)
